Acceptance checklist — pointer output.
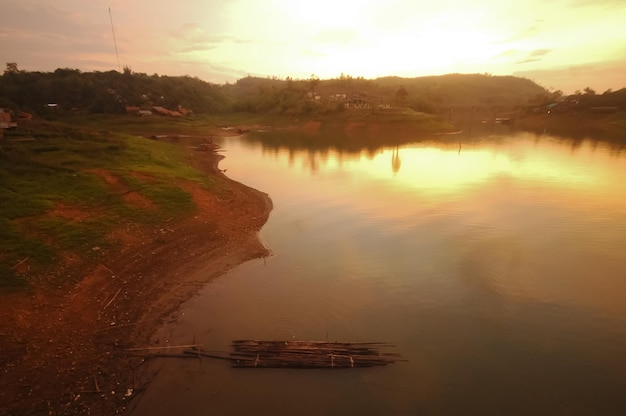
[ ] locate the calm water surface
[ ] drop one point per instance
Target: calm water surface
(497, 267)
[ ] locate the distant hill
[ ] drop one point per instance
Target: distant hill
(111, 92)
(106, 92)
(429, 94)
(466, 90)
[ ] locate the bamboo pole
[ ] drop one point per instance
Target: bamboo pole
(169, 347)
(113, 298)
(18, 264)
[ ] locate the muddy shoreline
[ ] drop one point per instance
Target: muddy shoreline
(62, 349)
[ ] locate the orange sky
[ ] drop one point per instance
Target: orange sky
(566, 44)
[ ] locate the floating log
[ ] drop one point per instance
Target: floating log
(309, 354)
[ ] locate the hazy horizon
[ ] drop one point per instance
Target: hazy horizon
(568, 45)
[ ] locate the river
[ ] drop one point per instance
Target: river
(495, 264)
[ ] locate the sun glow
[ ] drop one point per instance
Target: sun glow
(577, 43)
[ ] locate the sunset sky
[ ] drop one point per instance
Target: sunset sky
(560, 44)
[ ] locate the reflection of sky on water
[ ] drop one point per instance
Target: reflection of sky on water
(443, 167)
(501, 204)
(434, 172)
(498, 271)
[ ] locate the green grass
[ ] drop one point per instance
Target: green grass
(15, 246)
(169, 199)
(145, 126)
(61, 168)
(76, 237)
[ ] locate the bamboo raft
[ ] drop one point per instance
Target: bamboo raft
(309, 354)
(283, 354)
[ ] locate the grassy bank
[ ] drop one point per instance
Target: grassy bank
(67, 182)
(65, 186)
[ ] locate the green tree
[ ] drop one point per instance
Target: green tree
(589, 91)
(401, 97)
(11, 68)
(314, 82)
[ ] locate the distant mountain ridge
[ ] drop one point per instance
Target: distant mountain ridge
(112, 91)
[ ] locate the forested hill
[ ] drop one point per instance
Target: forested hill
(106, 92)
(428, 94)
(466, 90)
(112, 91)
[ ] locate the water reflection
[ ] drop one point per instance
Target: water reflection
(541, 192)
(396, 162)
(497, 270)
(440, 167)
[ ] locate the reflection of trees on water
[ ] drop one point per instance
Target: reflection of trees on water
(314, 152)
(312, 160)
(577, 127)
(396, 162)
(344, 143)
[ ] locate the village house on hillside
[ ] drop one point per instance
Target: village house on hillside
(138, 111)
(6, 121)
(359, 101)
(131, 109)
(365, 101)
(5, 118)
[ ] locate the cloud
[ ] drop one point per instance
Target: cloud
(199, 44)
(48, 20)
(193, 37)
(534, 56)
(522, 57)
(209, 72)
(45, 36)
(529, 32)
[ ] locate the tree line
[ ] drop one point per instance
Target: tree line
(105, 92)
(111, 91)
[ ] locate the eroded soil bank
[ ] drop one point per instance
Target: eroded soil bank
(62, 348)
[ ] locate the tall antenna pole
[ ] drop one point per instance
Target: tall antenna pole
(115, 41)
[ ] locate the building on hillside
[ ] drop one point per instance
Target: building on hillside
(5, 118)
(357, 101)
(131, 109)
(6, 121)
(162, 111)
(361, 101)
(22, 115)
(337, 97)
(184, 111)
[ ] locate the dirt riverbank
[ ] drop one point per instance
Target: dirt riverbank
(61, 348)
